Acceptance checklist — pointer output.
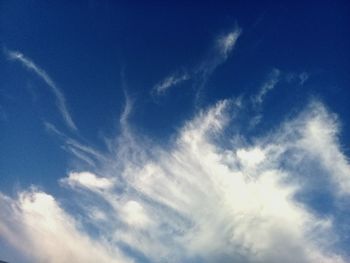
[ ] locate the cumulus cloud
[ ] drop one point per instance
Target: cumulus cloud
(205, 197)
(60, 98)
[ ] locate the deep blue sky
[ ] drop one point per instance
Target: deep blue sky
(93, 50)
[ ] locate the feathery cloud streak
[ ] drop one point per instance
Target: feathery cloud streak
(59, 96)
(267, 87)
(168, 82)
(204, 198)
(219, 53)
(226, 43)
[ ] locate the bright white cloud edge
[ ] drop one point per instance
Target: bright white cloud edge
(193, 200)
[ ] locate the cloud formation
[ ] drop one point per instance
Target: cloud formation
(218, 54)
(87, 180)
(206, 197)
(269, 85)
(227, 42)
(60, 98)
(84, 153)
(38, 227)
(168, 82)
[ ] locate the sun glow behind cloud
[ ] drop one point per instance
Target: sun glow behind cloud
(205, 197)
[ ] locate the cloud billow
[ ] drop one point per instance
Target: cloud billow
(207, 197)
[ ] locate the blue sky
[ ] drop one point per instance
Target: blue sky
(174, 131)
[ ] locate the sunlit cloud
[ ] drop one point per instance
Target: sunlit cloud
(87, 180)
(208, 196)
(37, 226)
(59, 96)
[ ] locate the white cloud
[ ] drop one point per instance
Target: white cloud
(223, 47)
(218, 54)
(134, 214)
(38, 227)
(81, 151)
(315, 137)
(227, 42)
(168, 82)
(60, 99)
(84, 150)
(87, 180)
(257, 100)
(202, 198)
(269, 85)
(250, 157)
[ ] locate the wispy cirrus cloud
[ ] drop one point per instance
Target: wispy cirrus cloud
(203, 198)
(207, 196)
(272, 80)
(219, 53)
(89, 154)
(59, 96)
(81, 151)
(257, 99)
(226, 42)
(170, 81)
(275, 78)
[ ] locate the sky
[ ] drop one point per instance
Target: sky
(175, 131)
